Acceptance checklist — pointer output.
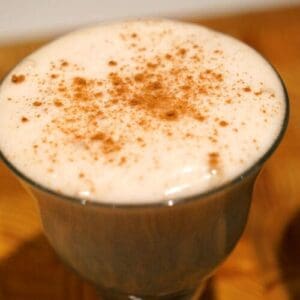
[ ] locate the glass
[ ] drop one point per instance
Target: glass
(148, 251)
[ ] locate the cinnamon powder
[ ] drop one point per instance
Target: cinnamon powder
(164, 88)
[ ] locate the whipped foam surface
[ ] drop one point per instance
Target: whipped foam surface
(139, 112)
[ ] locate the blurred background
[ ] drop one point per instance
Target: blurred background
(20, 20)
(266, 262)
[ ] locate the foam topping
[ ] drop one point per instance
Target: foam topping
(139, 112)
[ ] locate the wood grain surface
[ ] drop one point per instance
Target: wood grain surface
(266, 262)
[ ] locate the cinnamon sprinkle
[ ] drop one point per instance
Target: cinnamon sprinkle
(37, 103)
(112, 63)
(163, 87)
(223, 123)
(24, 119)
(17, 78)
(247, 89)
(213, 159)
(58, 103)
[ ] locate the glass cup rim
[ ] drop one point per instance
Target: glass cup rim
(170, 201)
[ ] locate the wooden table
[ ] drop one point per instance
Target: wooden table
(266, 262)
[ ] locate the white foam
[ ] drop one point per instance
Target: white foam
(206, 108)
